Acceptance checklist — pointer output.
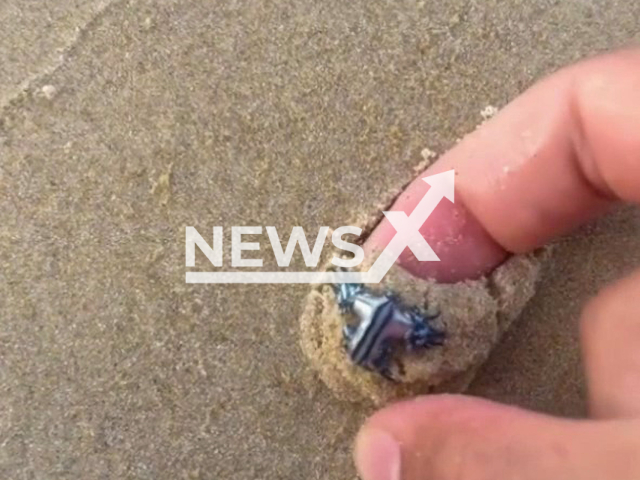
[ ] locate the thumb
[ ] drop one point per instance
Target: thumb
(461, 438)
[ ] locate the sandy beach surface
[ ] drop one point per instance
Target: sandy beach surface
(123, 121)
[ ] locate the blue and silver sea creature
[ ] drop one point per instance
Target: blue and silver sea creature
(383, 322)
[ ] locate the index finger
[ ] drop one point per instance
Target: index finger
(555, 157)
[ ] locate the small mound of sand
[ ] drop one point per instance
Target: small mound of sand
(474, 314)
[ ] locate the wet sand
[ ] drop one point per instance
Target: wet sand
(122, 122)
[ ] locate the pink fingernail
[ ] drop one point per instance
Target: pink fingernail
(377, 456)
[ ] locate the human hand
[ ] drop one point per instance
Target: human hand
(560, 154)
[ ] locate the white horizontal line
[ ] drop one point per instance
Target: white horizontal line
(278, 277)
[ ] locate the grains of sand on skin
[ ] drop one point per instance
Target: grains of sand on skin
(488, 112)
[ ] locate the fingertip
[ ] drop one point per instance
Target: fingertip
(452, 437)
(559, 155)
(418, 438)
(377, 455)
(465, 249)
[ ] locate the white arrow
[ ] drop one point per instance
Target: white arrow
(407, 227)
